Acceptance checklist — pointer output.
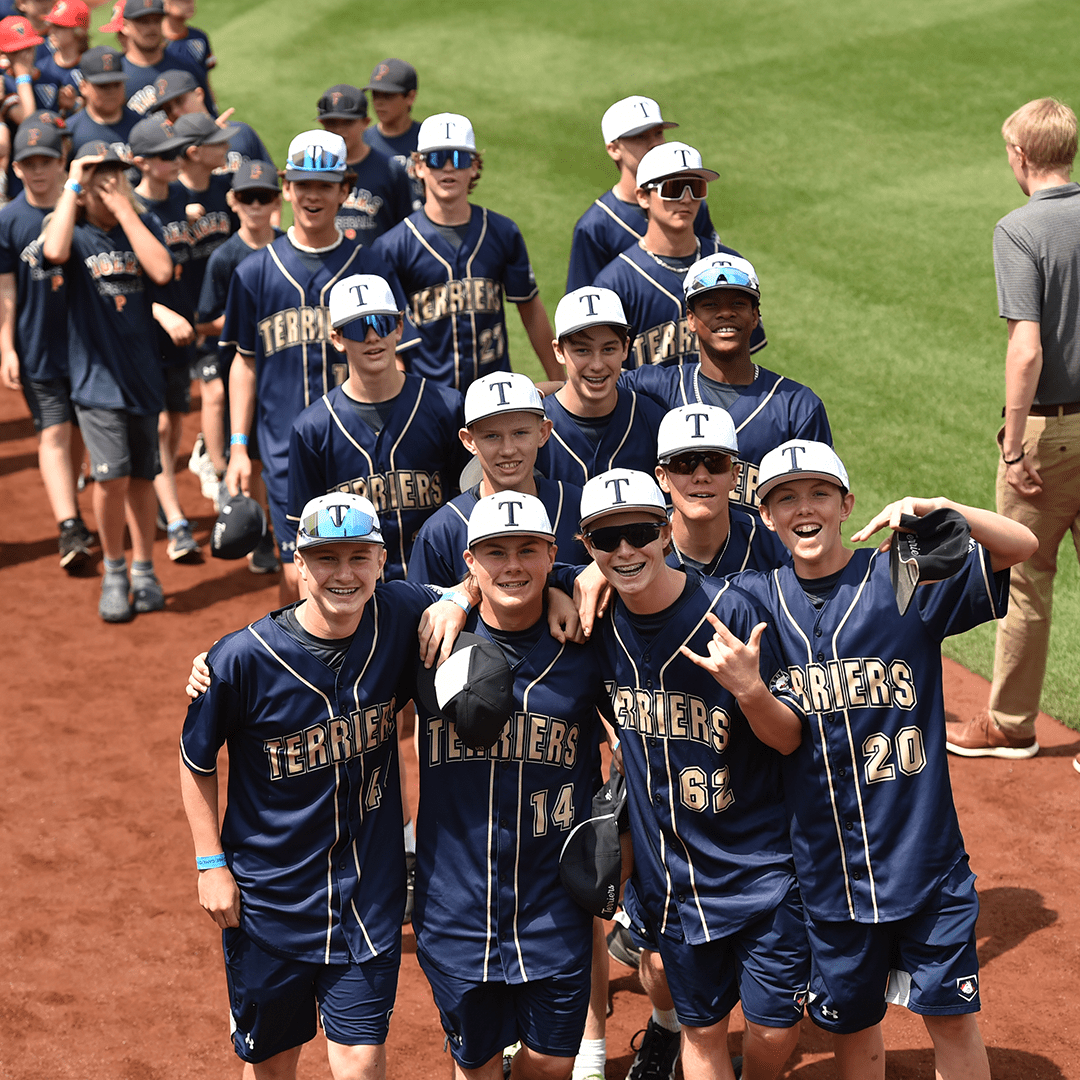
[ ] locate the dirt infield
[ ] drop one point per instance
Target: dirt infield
(112, 971)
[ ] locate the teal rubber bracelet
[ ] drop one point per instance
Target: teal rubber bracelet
(210, 862)
(457, 598)
(238, 439)
(73, 185)
(22, 80)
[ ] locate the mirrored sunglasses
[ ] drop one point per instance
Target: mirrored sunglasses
(383, 325)
(436, 159)
(684, 464)
(672, 189)
(352, 525)
(639, 534)
(263, 198)
(720, 276)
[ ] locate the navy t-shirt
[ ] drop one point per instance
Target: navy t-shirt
(245, 145)
(399, 148)
(210, 231)
(171, 213)
(142, 97)
(84, 128)
(379, 198)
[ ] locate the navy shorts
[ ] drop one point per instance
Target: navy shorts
(208, 366)
(273, 1002)
(765, 965)
(49, 401)
(926, 962)
(481, 1018)
(284, 530)
(641, 934)
(178, 388)
(120, 443)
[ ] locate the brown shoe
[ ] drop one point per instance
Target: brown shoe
(982, 737)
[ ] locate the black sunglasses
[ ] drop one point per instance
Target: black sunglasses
(685, 464)
(437, 159)
(170, 155)
(261, 197)
(638, 534)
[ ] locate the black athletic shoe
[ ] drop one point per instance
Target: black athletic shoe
(657, 1053)
(410, 885)
(74, 545)
(621, 947)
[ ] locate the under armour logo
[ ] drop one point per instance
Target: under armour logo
(250, 1041)
(830, 1014)
(794, 451)
(509, 505)
(499, 387)
(697, 418)
(359, 291)
(616, 481)
(588, 299)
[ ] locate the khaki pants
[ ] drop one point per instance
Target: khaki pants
(1023, 636)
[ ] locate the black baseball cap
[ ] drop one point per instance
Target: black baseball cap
(254, 175)
(342, 102)
(37, 136)
(171, 84)
(153, 136)
(238, 529)
(590, 863)
(102, 65)
(393, 77)
(935, 548)
(199, 129)
(136, 9)
(100, 146)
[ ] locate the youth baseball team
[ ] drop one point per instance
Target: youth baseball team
(650, 540)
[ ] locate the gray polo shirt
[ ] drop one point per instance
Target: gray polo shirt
(1037, 268)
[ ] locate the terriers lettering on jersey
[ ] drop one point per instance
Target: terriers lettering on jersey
(528, 737)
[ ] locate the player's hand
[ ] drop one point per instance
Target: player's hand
(440, 625)
(180, 331)
(199, 680)
(9, 370)
(67, 99)
(592, 594)
(194, 211)
(238, 474)
(21, 62)
(223, 119)
(82, 169)
(890, 515)
(220, 896)
(115, 195)
(563, 621)
(1024, 478)
(735, 665)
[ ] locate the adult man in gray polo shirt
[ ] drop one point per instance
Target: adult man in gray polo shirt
(1037, 266)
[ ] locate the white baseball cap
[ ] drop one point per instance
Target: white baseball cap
(338, 518)
(619, 490)
(800, 458)
(588, 306)
(501, 392)
(695, 427)
(509, 513)
(670, 159)
(721, 271)
(359, 295)
(316, 155)
(632, 116)
(446, 131)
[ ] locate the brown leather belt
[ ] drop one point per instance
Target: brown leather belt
(1055, 410)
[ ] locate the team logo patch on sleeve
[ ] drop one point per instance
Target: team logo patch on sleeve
(968, 987)
(780, 684)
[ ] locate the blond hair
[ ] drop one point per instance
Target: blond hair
(1045, 129)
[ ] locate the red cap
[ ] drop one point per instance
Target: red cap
(69, 13)
(116, 23)
(17, 34)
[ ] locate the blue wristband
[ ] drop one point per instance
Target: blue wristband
(73, 185)
(210, 862)
(22, 80)
(460, 599)
(238, 438)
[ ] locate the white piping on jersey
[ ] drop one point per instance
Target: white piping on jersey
(490, 868)
(653, 282)
(558, 511)
(472, 314)
(562, 442)
(626, 433)
(618, 220)
(671, 786)
(701, 400)
(393, 467)
(457, 511)
(984, 563)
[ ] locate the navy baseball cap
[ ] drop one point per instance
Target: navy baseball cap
(37, 136)
(935, 548)
(342, 102)
(393, 77)
(99, 146)
(199, 129)
(137, 9)
(102, 65)
(238, 529)
(153, 136)
(171, 84)
(253, 175)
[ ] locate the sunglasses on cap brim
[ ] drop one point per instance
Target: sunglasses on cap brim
(718, 276)
(715, 462)
(437, 159)
(383, 325)
(638, 534)
(674, 187)
(260, 196)
(354, 525)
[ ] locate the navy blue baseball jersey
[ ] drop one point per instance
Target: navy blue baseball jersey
(141, 93)
(41, 292)
(769, 411)
(707, 816)
(277, 312)
(437, 551)
(312, 832)
(749, 546)
(379, 199)
(628, 441)
(408, 469)
(209, 231)
(610, 226)
(84, 129)
(491, 824)
(873, 826)
(245, 145)
(652, 297)
(400, 148)
(456, 297)
(113, 357)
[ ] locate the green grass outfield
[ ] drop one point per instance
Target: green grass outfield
(861, 170)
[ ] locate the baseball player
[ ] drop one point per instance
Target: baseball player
(104, 115)
(189, 43)
(505, 427)
(306, 703)
(109, 251)
(459, 264)
(382, 433)
(68, 25)
(33, 330)
(393, 94)
(630, 128)
(596, 424)
(702, 737)
(506, 949)
(890, 898)
(276, 320)
(723, 313)
(648, 276)
(380, 195)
